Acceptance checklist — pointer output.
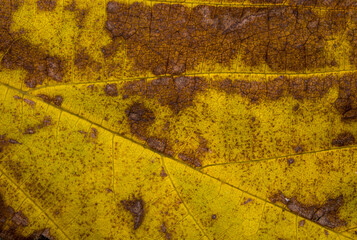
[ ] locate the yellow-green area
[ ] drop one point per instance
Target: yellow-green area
(67, 179)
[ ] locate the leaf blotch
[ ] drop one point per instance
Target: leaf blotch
(136, 207)
(343, 139)
(326, 214)
(56, 100)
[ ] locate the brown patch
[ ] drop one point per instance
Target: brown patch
(13, 141)
(163, 173)
(177, 93)
(140, 118)
(157, 144)
(111, 90)
(164, 230)
(301, 223)
(290, 161)
(83, 60)
(326, 215)
(56, 100)
(46, 5)
(326, 232)
(190, 159)
(343, 139)
(17, 97)
(171, 39)
(214, 216)
(22, 54)
(47, 121)
(136, 207)
(80, 13)
(30, 102)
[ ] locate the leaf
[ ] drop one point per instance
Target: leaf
(210, 120)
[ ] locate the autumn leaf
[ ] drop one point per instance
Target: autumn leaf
(178, 120)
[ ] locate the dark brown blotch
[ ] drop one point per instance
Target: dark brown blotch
(344, 139)
(136, 207)
(157, 144)
(326, 214)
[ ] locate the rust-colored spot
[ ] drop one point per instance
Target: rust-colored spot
(177, 93)
(56, 100)
(46, 5)
(111, 90)
(136, 207)
(326, 215)
(343, 139)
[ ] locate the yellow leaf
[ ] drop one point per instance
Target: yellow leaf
(178, 120)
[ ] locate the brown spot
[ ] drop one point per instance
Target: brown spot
(94, 133)
(13, 141)
(140, 118)
(164, 230)
(157, 144)
(326, 232)
(109, 190)
(290, 161)
(111, 90)
(190, 159)
(30, 130)
(326, 215)
(214, 216)
(46, 5)
(301, 223)
(247, 201)
(17, 97)
(163, 173)
(298, 149)
(343, 139)
(136, 208)
(56, 100)
(30, 102)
